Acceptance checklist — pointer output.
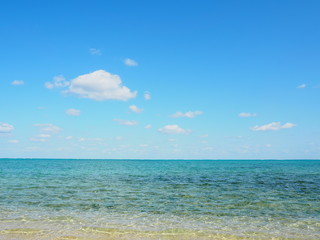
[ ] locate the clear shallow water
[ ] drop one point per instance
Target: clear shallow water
(103, 199)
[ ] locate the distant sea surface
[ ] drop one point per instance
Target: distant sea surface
(159, 199)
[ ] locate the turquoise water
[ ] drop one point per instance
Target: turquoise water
(104, 199)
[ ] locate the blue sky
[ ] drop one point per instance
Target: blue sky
(160, 79)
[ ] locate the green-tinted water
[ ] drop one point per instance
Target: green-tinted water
(83, 199)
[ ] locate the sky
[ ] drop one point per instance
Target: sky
(160, 79)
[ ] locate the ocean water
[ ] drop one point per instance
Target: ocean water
(138, 199)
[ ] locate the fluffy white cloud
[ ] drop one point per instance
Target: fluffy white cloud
(187, 114)
(47, 128)
(147, 95)
(57, 82)
(135, 109)
(302, 86)
(274, 126)
(243, 114)
(17, 82)
(130, 62)
(6, 127)
(100, 85)
(125, 122)
(95, 51)
(173, 129)
(73, 112)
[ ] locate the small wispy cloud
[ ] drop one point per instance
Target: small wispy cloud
(148, 126)
(189, 114)
(135, 109)
(244, 114)
(73, 112)
(82, 139)
(204, 136)
(6, 127)
(17, 82)
(47, 128)
(147, 96)
(130, 62)
(13, 141)
(95, 51)
(41, 138)
(302, 86)
(125, 122)
(173, 129)
(57, 82)
(274, 126)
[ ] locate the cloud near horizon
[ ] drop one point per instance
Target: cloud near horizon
(189, 114)
(47, 128)
(6, 127)
(125, 122)
(173, 129)
(73, 112)
(100, 85)
(274, 126)
(244, 114)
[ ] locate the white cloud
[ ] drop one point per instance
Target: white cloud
(143, 145)
(187, 114)
(126, 122)
(302, 86)
(135, 109)
(69, 137)
(90, 139)
(130, 62)
(73, 112)
(48, 128)
(148, 126)
(42, 135)
(100, 85)
(243, 114)
(57, 82)
(17, 82)
(95, 51)
(274, 126)
(204, 136)
(14, 141)
(147, 96)
(6, 127)
(173, 129)
(41, 138)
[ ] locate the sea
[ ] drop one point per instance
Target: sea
(64, 199)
